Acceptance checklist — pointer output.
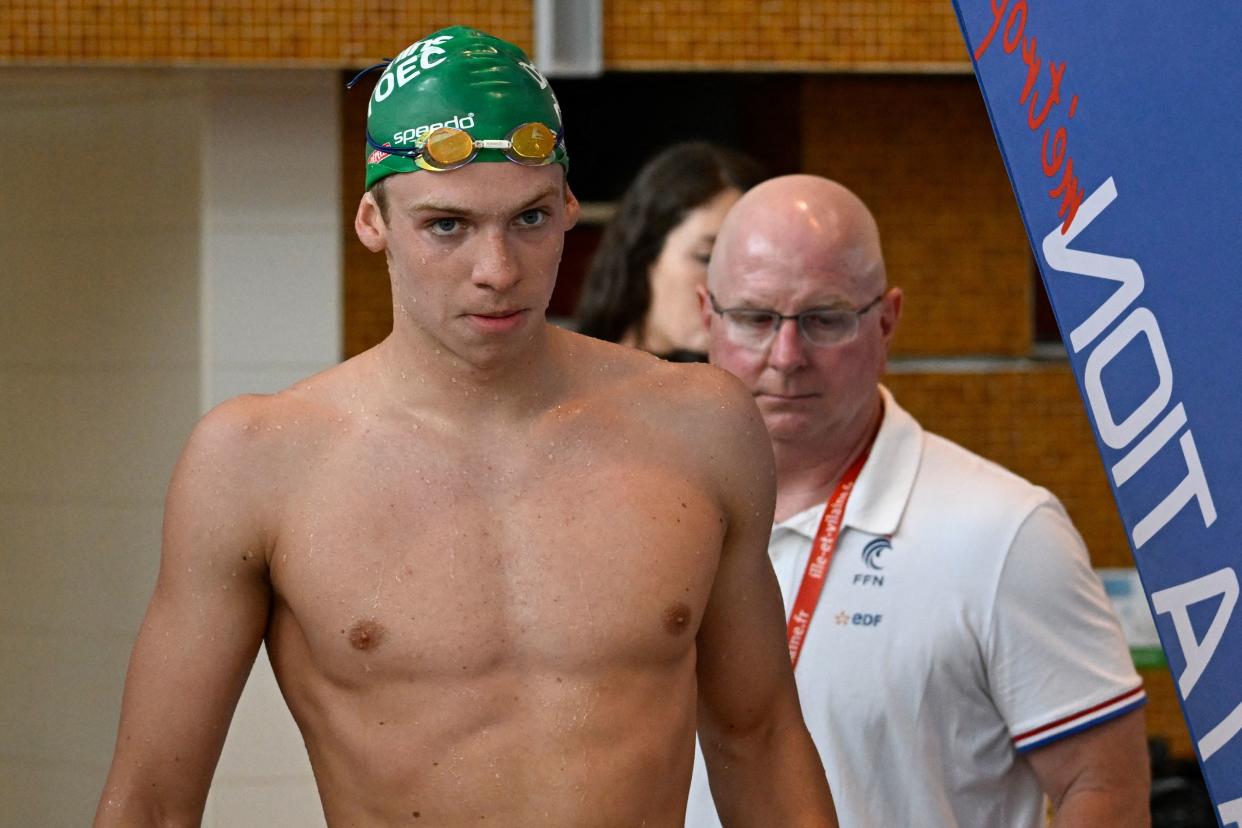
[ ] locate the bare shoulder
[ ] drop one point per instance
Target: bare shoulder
(706, 408)
(246, 453)
(263, 429)
(688, 389)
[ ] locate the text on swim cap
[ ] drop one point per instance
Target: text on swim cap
(407, 136)
(534, 73)
(411, 63)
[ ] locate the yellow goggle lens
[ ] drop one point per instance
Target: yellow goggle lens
(533, 141)
(447, 146)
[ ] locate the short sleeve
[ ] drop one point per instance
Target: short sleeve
(1057, 661)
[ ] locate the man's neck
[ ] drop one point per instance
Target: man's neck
(807, 474)
(427, 377)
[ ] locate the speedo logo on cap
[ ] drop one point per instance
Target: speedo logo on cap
(410, 136)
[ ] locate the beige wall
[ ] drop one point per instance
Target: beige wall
(98, 385)
(271, 311)
(155, 256)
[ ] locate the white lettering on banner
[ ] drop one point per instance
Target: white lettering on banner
(1175, 600)
(1194, 486)
(1231, 813)
(1140, 320)
(1127, 271)
(1155, 440)
(1117, 435)
(1220, 735)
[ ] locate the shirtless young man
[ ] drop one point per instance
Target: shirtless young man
(500, 568)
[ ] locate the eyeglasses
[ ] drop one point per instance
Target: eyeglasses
(446, 148)
(756, 328)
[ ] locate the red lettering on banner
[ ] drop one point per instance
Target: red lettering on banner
(1011, 43)
(1033, 62)
(1071, 196)
(1015, 19)
(1051, 165)
(1056, 71)
(998, 11)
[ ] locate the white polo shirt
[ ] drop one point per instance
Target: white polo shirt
(960, 625)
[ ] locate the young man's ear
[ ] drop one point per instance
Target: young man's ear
(369, 224)
(572, 208)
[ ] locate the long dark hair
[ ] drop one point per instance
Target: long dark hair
(616, 293)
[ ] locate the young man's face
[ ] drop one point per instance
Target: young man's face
(472, 253)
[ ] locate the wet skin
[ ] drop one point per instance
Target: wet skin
(488, 626)
(500, 568)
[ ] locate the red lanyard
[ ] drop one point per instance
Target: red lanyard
(822, 549)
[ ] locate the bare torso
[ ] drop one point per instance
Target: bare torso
(497, 625)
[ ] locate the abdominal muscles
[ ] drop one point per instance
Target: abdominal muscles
(512, 743)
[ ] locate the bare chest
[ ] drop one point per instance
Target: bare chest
(458, 567)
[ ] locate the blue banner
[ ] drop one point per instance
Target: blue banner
(1121, 128)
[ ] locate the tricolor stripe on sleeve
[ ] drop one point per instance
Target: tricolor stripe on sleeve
(1080, 721)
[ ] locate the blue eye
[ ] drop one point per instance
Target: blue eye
(445, 226)
(532, 218)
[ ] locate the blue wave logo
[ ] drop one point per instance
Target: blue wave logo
(874, 551)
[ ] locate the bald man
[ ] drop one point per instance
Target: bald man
(962, 661)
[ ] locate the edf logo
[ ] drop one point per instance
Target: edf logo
(858, 619)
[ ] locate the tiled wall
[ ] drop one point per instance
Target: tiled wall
(310, 33)
(874, 35)
(920, 152)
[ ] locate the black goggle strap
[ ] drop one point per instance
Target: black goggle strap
(404, 152)
(383, 64)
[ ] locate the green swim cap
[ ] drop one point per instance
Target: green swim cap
(459, 78)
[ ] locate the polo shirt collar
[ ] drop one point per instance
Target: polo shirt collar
(884, 485)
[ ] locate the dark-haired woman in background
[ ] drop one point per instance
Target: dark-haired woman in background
(640, 287)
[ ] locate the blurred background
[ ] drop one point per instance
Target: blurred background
(179, 179)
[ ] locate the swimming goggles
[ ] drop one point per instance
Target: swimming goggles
(531, 144)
